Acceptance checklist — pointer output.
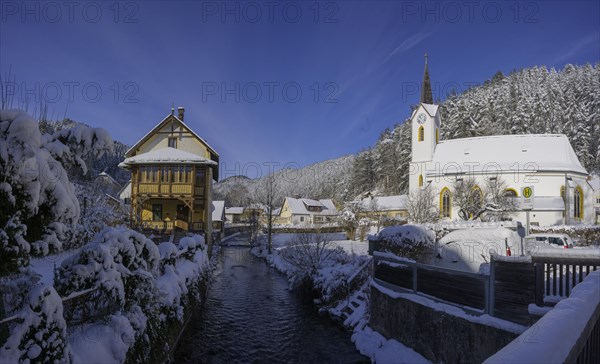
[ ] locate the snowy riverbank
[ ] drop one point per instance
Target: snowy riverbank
(332, 276)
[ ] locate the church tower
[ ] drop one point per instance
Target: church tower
(426, 123)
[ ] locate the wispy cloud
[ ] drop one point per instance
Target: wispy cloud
(407, 44)
(591, 39)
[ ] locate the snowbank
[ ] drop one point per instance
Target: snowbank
(551, 339)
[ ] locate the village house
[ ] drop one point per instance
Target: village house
(547, 163)
(304, 211)
(218, 218)
(172, 171)
(233, 215)
(384, 207)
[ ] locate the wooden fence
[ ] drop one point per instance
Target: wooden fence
(512, 285)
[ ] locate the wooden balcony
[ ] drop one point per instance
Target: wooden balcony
(168, 189)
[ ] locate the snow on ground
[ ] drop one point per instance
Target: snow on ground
(380, 350)
(554, 335)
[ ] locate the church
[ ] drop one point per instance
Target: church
(559, 184)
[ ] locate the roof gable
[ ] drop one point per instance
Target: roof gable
(169, 118)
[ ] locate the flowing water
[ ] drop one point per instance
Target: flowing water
(250, 316)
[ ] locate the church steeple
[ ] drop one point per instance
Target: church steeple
(426, 95)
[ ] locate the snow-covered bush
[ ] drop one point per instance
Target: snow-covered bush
(35, 191)
(410, 241)
(115, 261)
(96, 214)
(41, 335)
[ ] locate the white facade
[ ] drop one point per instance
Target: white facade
(545, 162)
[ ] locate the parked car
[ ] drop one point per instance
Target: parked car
(549, 240)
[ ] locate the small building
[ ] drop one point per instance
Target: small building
(305, 211)
(218, 218)
(385, 207)
(125, 193)
(233, 215)
(172, 171)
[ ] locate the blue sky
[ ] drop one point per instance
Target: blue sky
(357, 64)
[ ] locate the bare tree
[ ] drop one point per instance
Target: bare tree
(490, 203)
(308, 251)
(500, 204)
(421, 206)
(266, 194)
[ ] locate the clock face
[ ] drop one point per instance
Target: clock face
(421, 118)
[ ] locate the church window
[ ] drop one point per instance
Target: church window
(445, 203)
(437, 135)
(420, 180)
(421, 133)
(578, 203)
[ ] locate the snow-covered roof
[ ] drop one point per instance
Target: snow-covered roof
(385, 203)
(299, 206)
(218, 210)
(160, 125)
(107, 176)
(533, 152)
(166, 156)
(234, 210)
(125, 192)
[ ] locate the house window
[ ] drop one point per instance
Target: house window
(301, 218)
(578, 203)
(172, 142)
(421, 133)
(164, 174)
(420, 180)
(156, 212)
(445, 203)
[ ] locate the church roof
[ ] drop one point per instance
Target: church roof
(166, 156)
(532, 152)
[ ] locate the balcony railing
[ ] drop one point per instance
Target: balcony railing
(168, 189)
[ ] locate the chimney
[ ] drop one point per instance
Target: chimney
(180, 111)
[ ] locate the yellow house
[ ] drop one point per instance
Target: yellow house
(172, 170)
(388, 207)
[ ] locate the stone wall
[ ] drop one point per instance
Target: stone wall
(435, 334)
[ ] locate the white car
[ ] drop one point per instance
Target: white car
(549, 240)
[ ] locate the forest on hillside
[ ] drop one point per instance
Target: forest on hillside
(530, 101)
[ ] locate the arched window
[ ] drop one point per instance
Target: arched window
(511, 192)
(421, 135)
(437, 135)
(420, 180)
(578, 203)
(445, 203)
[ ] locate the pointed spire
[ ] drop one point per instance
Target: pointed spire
(426, 95)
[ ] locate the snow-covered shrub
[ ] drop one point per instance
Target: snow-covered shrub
(115, 261)
(41, 336)
(410, 241)
(96, 214)
(35, 187)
